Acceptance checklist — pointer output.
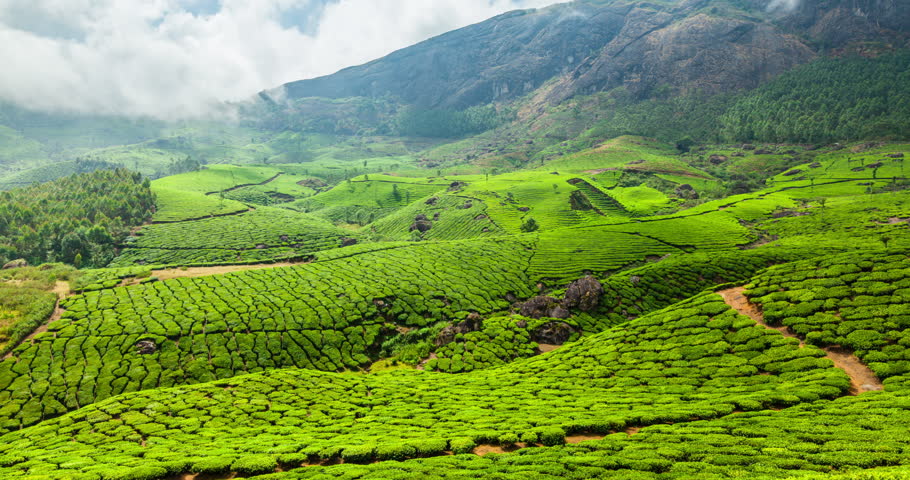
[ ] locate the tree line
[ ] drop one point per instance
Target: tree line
(77, 219)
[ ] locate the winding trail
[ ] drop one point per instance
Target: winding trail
(192, 272)
(62, 289)
(862, 379)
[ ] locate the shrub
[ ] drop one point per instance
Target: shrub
(254, 464)
(865, 340)
(550, 436)
(358, 454)
(508, 439)
(462, 445)
(395, 451)
(430, 446)
(215, 464)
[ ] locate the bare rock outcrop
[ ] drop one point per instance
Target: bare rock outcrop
(584, 294)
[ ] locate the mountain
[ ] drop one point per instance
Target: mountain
(589, 46)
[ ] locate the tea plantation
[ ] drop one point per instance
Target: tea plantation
(570, 320)
(696, 360)
(255, 235)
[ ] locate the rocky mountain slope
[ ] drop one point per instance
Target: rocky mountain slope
(587, 46)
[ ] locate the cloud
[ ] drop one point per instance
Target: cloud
(172, 59)
(785, 5)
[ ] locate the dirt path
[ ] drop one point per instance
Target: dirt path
(190, 272)
(861, 377)
(546, 347)
(62, 289)
(734, 297)
(244, 185)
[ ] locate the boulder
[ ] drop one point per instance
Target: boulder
(432, 201)
(472, 323)
(686, 191)
(790, 173)
(15, 264)
(421, 226)
(895, 155)
(543, 306)
(718, 159)
(584, 294)
(347, 242)
(146, 347)
(553, 333)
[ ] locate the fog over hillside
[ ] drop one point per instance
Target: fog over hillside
(172, 59)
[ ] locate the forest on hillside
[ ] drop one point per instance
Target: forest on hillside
(77, 219)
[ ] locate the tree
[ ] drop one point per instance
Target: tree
(685, 144)
(530, 225)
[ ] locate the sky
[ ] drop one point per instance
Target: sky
(175, 59)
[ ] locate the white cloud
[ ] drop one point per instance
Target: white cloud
(785, 5)
(156, 58)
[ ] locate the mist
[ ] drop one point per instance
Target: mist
(178, 59)
(783, 5)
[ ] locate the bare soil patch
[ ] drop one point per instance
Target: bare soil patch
(190, 272)
(861, 377)
(573, 439)
(546, 347)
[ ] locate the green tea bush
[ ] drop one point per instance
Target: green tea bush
(462, 445)
(695, 360)
(843, 300)
(262, 234)
(254, 464)
(330, 315)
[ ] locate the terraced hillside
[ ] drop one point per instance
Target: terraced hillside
(697, 366)
(425, 326)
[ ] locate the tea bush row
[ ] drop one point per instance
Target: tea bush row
(451, 217)
(860, 301)
(328, 315)
(698, 359)
(279, 232)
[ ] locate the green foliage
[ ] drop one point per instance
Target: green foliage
(83, 215)
(451, 217)
(696, 360)
(417, 122)
(329, 315)
(502, 340)
(22, 310)
(856, 300)
(827, 100)
(259, 235)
